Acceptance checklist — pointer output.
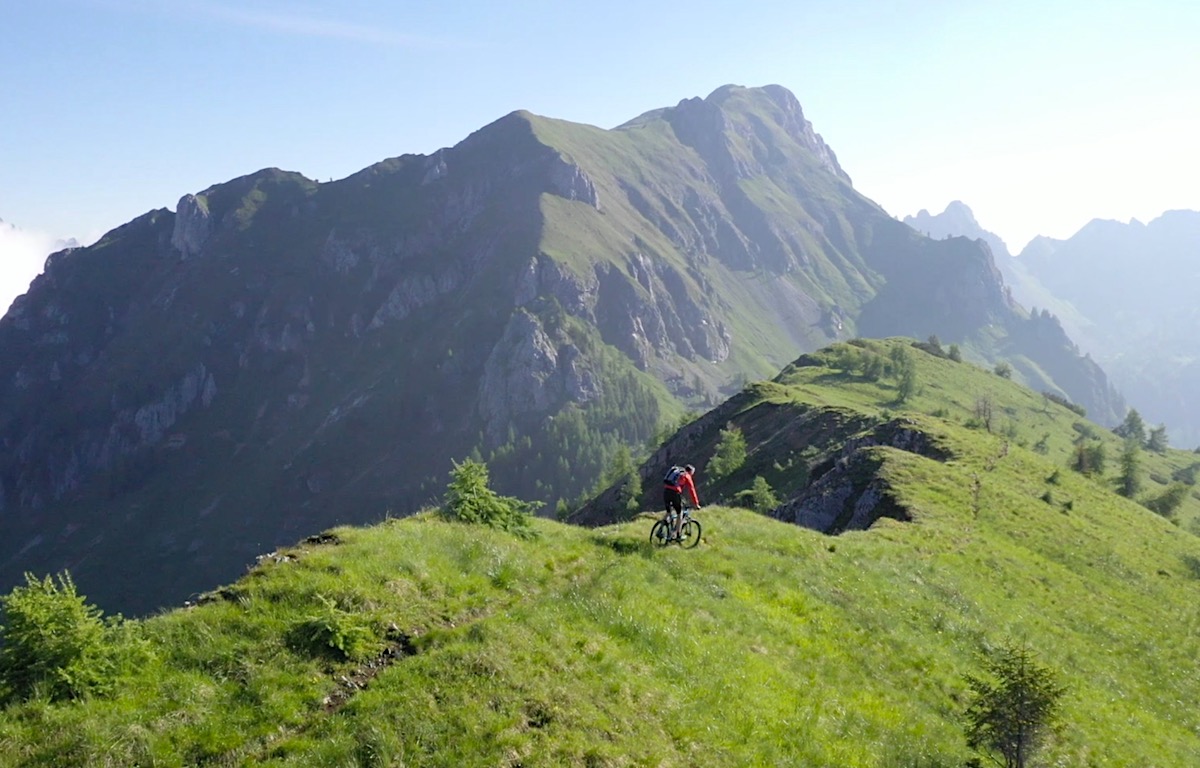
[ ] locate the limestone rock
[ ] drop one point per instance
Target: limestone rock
(193, 225)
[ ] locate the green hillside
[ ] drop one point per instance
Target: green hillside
(428, 642)
(279, 356)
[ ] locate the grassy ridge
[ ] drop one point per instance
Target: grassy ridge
(427, 642)
(768, 644)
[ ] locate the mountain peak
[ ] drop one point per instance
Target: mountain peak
(957, 220)
(736, 119)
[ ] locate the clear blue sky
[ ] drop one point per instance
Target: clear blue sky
(1039, 115)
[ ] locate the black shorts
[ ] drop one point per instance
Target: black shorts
(672, 499)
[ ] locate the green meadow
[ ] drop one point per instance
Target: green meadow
(429, 642)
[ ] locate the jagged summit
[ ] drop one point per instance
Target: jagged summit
(957, 220)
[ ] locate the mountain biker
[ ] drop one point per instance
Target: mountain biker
(675, 482)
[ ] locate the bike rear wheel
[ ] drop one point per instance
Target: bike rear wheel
(660, 534)
(689, 534)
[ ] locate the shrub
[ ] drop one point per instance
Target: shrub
(1003, 370)
(54, 643)
(873, 366)
(1186, 475)
(470, 500)
(760, 497)
(1090, 458)
(1167, 502)
(334, 632)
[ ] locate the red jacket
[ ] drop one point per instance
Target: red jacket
(685, 483)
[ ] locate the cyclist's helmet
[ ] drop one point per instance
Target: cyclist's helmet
(689, 469)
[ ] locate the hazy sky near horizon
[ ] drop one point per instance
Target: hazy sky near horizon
(1039, 115)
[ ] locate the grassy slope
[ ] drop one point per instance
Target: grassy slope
(768, 644)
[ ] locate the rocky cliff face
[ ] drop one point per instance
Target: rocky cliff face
(279, 355)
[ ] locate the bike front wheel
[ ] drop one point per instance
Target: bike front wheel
(689, 534)
(660, 534)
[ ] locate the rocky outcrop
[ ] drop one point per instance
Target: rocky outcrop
(193, 225)
(153, 420)
(545, 277)
(570, 181)
(846, 492)
(414, 292)
(47, 468)
(529, 374)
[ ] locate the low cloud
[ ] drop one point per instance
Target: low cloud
(22, 255)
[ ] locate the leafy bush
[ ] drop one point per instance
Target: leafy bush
(54, 643)
(470, 500)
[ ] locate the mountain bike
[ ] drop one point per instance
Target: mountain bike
(664, 531)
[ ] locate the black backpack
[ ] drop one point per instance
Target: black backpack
(673, 475)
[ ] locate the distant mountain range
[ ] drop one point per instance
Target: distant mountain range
(1124, 291)
(279, 355)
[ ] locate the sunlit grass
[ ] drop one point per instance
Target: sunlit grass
(768, 644)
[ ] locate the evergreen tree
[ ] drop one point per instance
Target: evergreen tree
(1090, 457)
(1132, 427)
(1157, 440)
(623, 474)
(905, 369)
(1014, 709)
(470, 500)
(52, 641)
(1130, 482)
(762, 497)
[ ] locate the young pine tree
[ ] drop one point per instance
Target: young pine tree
(1130, 481)
(470, 500)
(1014, 707)
(53, 642)
(730, 453)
